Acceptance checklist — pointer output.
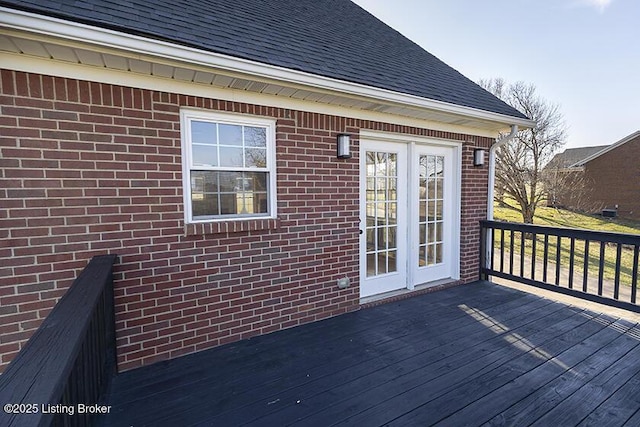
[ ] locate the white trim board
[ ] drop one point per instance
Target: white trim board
(64, 31)
(29, 64)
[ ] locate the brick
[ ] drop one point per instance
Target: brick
(109, 179)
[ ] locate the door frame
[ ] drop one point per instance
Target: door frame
(412, 141)
(396, 280)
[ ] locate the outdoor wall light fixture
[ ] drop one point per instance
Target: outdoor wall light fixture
(344, 152)
(478, 157)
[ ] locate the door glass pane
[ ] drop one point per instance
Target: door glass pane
(371, 264)
(431, 209)
(382, 210)
(392, 261)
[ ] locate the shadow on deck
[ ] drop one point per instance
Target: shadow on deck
(469, 355)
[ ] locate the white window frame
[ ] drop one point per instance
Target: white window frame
(186, 116)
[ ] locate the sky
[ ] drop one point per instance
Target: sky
(583, 55)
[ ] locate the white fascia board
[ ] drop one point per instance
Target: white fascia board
(53, 27)
(32, 64)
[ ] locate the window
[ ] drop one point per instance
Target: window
(228, 166)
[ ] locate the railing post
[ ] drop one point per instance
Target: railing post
(483, 255)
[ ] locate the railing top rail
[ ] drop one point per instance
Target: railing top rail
(578, 233)
(38, 373)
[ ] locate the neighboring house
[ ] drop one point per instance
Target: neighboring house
(613, 174)
(591, 179)
(569, 157)
(198, 141)
(565, 184)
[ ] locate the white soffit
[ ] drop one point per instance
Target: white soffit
(28, 39)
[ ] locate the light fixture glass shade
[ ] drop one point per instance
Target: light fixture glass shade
(344, 151)
(478, 157)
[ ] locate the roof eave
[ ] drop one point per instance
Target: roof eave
(83, 33)
(607, 149)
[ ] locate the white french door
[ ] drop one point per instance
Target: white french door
(383, 217)
(409, 213)
(433, 214)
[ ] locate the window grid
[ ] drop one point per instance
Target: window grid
(229, 171)
(381, 209)
(431, 210)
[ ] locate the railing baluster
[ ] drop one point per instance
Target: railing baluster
(545, 260)
(558, 250)
(483, 252)
(634, 274)
(616, 282)
(511, 252)
(493, 243)
(571, 261)
(533, 256)
(522, 252)
(601, 267)
(585, 274)
(501, 250)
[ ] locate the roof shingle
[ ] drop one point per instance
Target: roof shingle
(330, 38)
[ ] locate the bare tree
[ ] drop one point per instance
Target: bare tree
(569, 188)
(519, 163)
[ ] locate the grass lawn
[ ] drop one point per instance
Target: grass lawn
(563, 218)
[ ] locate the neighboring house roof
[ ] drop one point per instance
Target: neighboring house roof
(571, 156)
(330, 38)
(606, 149)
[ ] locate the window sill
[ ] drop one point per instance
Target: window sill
(228, 227)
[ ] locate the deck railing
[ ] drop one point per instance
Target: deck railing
(597, 266)
(59, 375)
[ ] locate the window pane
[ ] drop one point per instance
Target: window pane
(228, 204)
(204, 182)
(255, 137)
(230, 135)
(260, 203)
(203, 132)
(204, 155)
(231, 157)
(255, 157)
(229, 181)
(258, 179)
(204, 205)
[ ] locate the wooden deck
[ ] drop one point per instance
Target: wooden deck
(480, 354)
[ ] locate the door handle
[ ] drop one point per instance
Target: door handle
(361, 231)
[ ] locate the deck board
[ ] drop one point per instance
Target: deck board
(462, 356)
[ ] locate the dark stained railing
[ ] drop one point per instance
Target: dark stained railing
(67, 363)
(593, 265)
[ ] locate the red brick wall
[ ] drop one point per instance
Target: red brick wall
(614, 179)
(89, 168)
(474, 192)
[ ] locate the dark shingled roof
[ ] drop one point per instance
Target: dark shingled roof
(331, 38)
(571, 156)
